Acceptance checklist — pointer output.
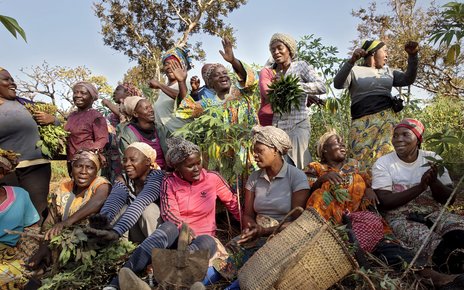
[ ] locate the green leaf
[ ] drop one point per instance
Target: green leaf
(13, 27)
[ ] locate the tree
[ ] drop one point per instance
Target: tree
(449, 28)
(402, 22)
(143, 29)
(56, 82)
(12, 26)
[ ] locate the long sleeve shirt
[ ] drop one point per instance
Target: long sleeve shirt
(365, 81)
(88, 131)
(122, 195)
(311, 84)
(195, 203)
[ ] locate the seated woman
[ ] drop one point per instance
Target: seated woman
(76, 199)
(141, 127)
(87, 126)
(133, 204)
(16, 213)
(188, 195)
(411, 192)
(335, 173)
(270, 194)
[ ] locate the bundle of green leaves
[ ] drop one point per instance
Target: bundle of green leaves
(52, 138)
(285, 93)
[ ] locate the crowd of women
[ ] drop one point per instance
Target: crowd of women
(130, 177)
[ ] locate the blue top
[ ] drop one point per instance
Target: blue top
(16, 213)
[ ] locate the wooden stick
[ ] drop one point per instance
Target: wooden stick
(25, 234)
(450, 198)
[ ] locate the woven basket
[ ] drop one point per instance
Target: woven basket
(308, 254)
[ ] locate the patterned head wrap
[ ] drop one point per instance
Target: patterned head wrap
(272, 137)
(146, 150)
(371, 46)
(181, 55)
(286, 39)
(8, 159)
(209, 72)
(414, 125)
(91, 88)
(204, 70)
(130, 89)
(179, 150)
(92, 155)
(323, 139)
(129, 105)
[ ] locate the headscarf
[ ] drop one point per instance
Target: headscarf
(146, 150)
(129, 105)
(209, 72)
(1, 68)
(323, 139)
(272, 137)
(92, 155)
(8, 159)
(181, 55)
(414, 125)
(371, 46)
(91, 88)
(286, 39)
(179, 150)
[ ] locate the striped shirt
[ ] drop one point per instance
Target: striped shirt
(195, 203)
(311, 85)
(122, 195)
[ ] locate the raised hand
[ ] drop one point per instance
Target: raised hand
(411, 47)
(179, 72)
(357, 54)
(228, 52)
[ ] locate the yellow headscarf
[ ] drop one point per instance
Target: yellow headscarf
(148, 151)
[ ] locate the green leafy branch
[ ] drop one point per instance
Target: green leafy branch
(284, 94)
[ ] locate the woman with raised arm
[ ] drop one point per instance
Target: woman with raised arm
(372, 108)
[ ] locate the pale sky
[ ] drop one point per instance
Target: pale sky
(67, 33)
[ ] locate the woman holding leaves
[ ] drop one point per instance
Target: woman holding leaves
(411, 191)
(75, 200)
(304, 84)
(21, 135)
(372, 107)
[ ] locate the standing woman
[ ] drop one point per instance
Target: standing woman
(166, 120)
(87, 126)
(296, 123)
(140, 128)
(19, 133)
(370, 85)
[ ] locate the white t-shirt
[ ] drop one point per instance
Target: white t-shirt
(391, 173)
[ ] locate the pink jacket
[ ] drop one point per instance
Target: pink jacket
(195, 203)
